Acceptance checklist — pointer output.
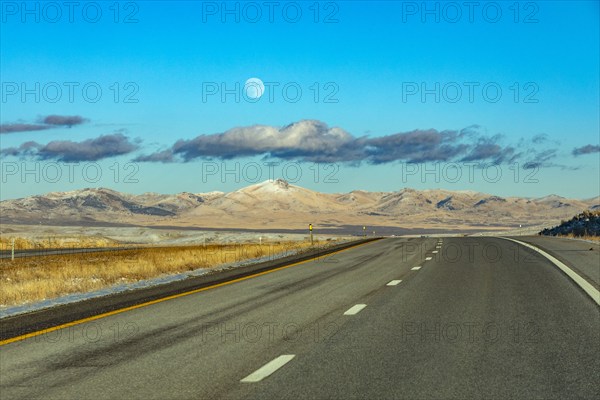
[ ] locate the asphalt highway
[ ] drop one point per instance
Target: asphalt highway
(581, 255)
(421, 318)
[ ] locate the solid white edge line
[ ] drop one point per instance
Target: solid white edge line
(585, 285)
(415, 268)
(394, 282)
(355, 309)
(268, 368)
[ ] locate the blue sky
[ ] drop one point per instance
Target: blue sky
(363, 57)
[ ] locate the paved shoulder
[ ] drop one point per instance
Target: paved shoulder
(580, 255)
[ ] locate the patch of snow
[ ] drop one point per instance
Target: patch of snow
(213, 193)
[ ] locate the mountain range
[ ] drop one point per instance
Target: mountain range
(278, 205)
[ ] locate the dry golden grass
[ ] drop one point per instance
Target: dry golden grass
(31, 279)
(58, 242)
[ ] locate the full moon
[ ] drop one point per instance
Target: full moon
(254, 88)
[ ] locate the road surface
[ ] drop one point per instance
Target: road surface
(481, 318)
(581, 255)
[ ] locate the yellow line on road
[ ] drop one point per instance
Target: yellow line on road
(175, 296)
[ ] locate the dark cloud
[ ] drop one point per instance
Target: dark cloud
(64, 120)
(304, 140)
(415, 146)
(489, 149)
(540, 138)
(68, 151)
(588, 149)
(14, 128)
(314, 141)
(49, 122)
(25, 149)
(164, 156)
(541, 159)
(88, 150)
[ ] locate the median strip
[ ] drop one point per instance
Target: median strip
(48, 320)
(268, 368)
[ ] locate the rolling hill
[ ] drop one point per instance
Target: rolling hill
(280, 205)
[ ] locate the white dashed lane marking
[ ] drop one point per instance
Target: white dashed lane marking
(394, 282)
(355, 309)
(268, 369)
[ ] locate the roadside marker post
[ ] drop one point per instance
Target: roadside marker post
(12, 249)
(311, 234)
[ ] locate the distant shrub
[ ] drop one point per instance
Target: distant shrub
(585, 224)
